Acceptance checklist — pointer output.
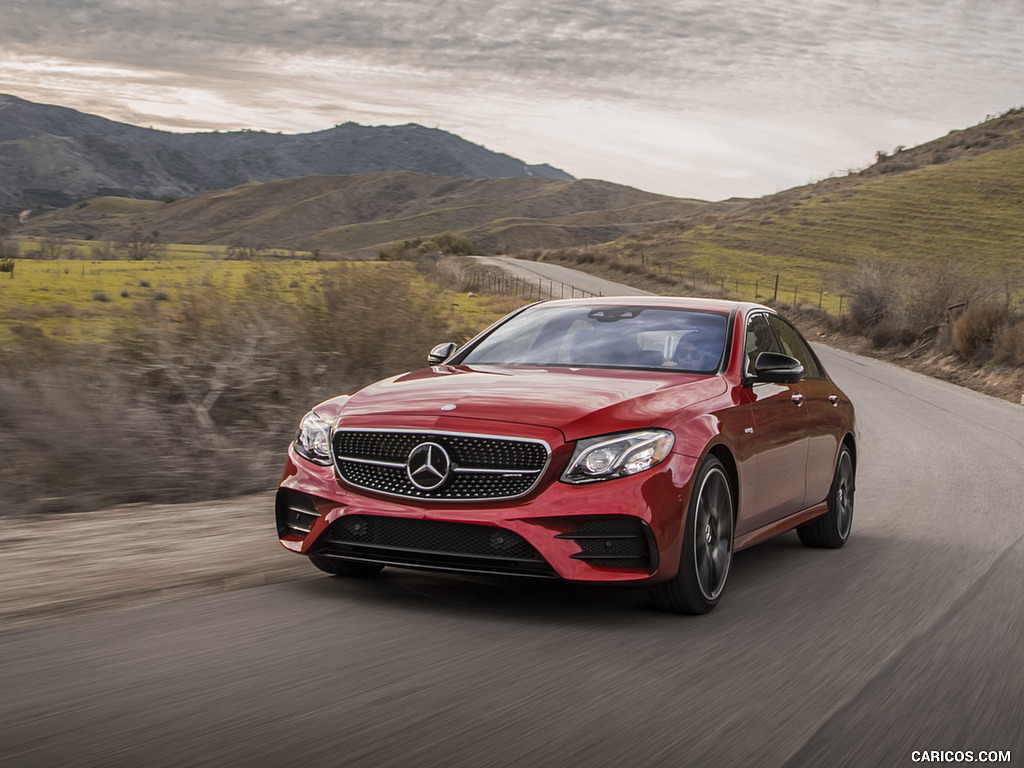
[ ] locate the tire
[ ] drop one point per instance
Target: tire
(337, 567)
(707, 546)
(832, 529)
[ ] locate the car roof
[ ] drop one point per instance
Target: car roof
(668, 302)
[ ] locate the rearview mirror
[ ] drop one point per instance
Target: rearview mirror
(441, 352)
(776, 368)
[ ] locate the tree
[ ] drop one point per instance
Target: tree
(140, 243)
(8, 248)
(246, 249)
(52, 249)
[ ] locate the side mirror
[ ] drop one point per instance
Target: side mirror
(441, 352)
(778, 369)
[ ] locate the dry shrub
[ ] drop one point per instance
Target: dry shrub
(874, 295)
(974, 329)
(928, 291)
(457, 273)
(1009, 344)
(627, 267)
(199, 399)
(898, 304)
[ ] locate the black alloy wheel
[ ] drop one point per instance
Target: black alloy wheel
(832, 529)
(707, 545)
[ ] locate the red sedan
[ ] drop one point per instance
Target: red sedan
(627, 440)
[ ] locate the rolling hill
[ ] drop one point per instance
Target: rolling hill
(53, 156)
(362, 213)
(959, 198)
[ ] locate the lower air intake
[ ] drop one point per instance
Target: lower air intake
(614, 542)
(432, 545)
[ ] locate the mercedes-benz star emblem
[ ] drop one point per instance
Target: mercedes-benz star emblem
(428, 466)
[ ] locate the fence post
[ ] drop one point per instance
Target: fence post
(821, 294)
(794, 297)
(775, 295)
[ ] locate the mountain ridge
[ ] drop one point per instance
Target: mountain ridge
(54, 156)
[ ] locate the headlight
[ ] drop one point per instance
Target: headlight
(603, 458)
(314, 439)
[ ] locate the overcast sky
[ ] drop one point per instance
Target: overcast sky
(695, 98)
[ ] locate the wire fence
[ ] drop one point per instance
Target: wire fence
(537, 288)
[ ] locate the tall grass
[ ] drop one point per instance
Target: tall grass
(200, 399)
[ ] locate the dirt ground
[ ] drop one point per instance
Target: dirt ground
(56, 565)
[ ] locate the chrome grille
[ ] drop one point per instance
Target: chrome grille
(482, 467)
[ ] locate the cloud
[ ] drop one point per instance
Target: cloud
(604, 47)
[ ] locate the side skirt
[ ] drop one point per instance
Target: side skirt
(779, 526)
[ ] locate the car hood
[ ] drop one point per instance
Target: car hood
(579, 402)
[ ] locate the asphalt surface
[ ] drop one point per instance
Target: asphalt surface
(556, 282)
(909, 638)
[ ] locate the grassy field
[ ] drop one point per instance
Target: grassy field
(207, 364)
(78, 301)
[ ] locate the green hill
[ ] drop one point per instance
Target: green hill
(959, 198)
(362, 213)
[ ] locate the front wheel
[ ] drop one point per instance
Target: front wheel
(832, 529)
(338, 567)
(707, 546)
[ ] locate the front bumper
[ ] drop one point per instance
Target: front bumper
(623, 530)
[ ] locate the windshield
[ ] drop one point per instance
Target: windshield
(606, 337)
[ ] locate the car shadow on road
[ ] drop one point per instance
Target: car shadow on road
(780, 570)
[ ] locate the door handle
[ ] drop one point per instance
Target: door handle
(834, 399)
(798, 399)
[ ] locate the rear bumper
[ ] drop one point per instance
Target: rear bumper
(623, 530)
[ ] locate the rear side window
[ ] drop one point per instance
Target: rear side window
(793, 344)
(759, 339)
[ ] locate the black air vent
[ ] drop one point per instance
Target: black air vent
(614, 542)
(431, 544)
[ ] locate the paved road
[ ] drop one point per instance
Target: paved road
(907, 639)
(556, 281)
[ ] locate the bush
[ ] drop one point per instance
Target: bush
(873, 296)
(214, 385)
(974, 329)
(1009, 344)
(450, 243)
(899, 304)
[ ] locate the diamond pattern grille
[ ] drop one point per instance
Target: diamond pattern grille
(522, 462)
